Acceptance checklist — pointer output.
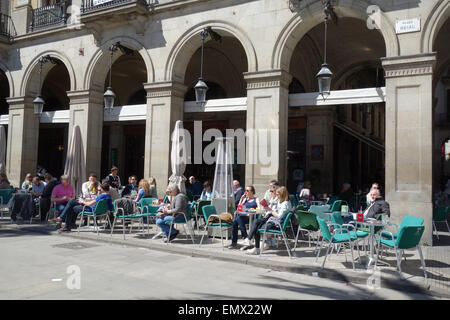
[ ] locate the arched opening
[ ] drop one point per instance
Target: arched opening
(53, 136)
(225, 61)
(441, 107)
(340, 143)
(123, 141)
(4, 93)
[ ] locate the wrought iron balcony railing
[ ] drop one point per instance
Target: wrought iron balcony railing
(94, 5)
(6, 26)
(48, 16)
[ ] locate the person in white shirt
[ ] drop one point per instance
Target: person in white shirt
(375, 186)
(90, 188)
(273, 185)
(305, 193)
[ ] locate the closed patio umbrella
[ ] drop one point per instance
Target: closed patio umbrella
(178, 157)
(2, 150)
(75, 167)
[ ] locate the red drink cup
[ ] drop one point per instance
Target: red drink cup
(160, 201)
(240, 208)
(360, 217)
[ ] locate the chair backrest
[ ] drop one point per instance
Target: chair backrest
(102, 207)
(6, 195)
(307, 220)
(293, 199)
(208, 210)
(409, 236)
(201, 204)
(145, 203)
(324, 228)
(287, 220)
(337, 218)
(337, 205)
(189, 211)
(441, 213)
(320, 211)
(166, 199)
(189, 195)
(411, 221)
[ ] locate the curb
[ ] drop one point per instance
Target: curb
(349, 277)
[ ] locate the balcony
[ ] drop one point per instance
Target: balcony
(89, 6)
(7, 30)
(48, 17)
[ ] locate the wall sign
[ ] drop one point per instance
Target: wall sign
(22, 3)
(406, 26)
(98, 2)
(317, 152)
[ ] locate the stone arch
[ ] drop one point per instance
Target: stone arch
(9, 78)
(190, 41)
(30, 82)
(342, 75)
(438, 16)
(98, 66)
(312, 15)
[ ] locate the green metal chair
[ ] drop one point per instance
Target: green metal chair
(209, 213)
(293, 199)
(361, 233)
(119, 214)
(406, 221)
(281, 231)
(341, 235)
(331, 200)
(408, 237)
(5, 196)
(187, 219)
(307, 223)
(440, 215)
(337, 205)
(147, 211)
(199, 209)
(101, 210)
(189, 195)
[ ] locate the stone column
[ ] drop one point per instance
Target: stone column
(86, 111)
(23, 138)
(409, 143)
(267, 127)
(165, 105)
(319, 132)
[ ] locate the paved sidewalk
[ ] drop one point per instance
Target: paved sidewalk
(437, 259)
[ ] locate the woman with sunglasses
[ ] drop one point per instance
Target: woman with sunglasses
(249, 201)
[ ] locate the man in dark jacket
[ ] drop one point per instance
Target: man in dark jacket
(46, 195)
(238, 192)
(377, 206)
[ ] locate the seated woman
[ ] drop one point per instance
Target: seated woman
(144, 190)
(179, 205)
(73, 208)
(284, 207)
(249, 201)
(152, 182)
(207, 191)
(4, 183)
(90, 188)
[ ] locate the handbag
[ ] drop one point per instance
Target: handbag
(224, 218)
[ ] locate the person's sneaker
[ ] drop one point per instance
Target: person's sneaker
(254, 251)
(233, 246)
(244, 242)
(64, 229)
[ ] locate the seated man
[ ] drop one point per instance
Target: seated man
(37, 188)
(377, 205)
(73, 208)
(130, 187)
(195, 187)
(207, 191)
(112, 191)
(179, 205)
(61, 195)
(45, 201)
(238, 192)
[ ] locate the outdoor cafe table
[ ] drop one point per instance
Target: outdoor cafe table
(250, 214)
(371, 225)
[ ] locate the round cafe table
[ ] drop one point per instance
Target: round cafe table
(371, 225)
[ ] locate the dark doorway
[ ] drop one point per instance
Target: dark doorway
(296, 152)
(134, 151)
(52, 149)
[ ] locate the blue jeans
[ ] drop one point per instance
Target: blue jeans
(60, 208)
(240, 223)
(164, 223)
(65, 208)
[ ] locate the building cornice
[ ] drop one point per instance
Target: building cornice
(165, 89)
(267, 79)
(406, 66)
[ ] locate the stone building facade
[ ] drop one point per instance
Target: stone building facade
(386, 119)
